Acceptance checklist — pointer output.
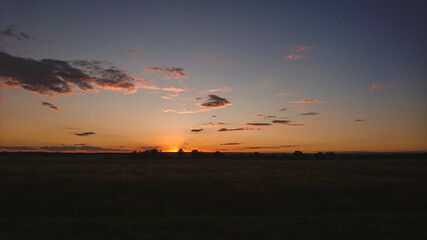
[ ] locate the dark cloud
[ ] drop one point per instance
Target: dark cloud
(11, 32)
(50, 105)
(310, 114)
(234, 129)
(196, 130)
(230, 144)
(79, 147)
(172, 72)
(258, 124)
(84, 134)
(17, 148)
(287, 123)
(215, 101)
(271, 147)
(359, 120)
(52, 77)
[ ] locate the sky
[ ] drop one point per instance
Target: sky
(231, 76)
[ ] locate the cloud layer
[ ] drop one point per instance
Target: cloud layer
(52, 106)
(172, 72)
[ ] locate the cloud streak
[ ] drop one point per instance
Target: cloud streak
(287, 123)
(310, 114)
(258, 124)
(308, 101)
(84, 134)
(215, 101)
(50, 105)
(234, 129)
(196, 130)
(375, 86)
(169, 73)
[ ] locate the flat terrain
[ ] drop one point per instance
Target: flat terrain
(109, 197)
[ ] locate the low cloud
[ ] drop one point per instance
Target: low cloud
(229, 144)
(64, 148)
(11, 32)
(84, 134)
(17, 148)
(52, 77)
(196, 130)
(258, 124)
(308, 101)
(359, 120)
(234, 129)
(310, 114)
(263, 116)
(271, 147)
(169, 73)
(48, 104)
(287, 123)
(215, 101)
(375, 86)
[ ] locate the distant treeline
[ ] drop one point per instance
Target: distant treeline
(195, 154)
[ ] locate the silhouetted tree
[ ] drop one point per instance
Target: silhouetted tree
(218, 154)
(319, 155)
(330, 155)
(298, 154)
(180, 154)
(256, 155)
(195, 154)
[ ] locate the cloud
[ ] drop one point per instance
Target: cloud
(301, 48)
(72, 128)
(51, 106)
(132, 54)
(263, 116)
(359, 120)
(221, 89)
(53, 77)
(271, 147)
(376, 87)
(233, 129)
(11, 32)
(308, 101)
(287, 123)
(2, 99)
(64, 148)
(295, 57)
(169, 73)
(214, 116)
(230, 144)
(84, 134)
(185, 111)
(196, 130)
(310, 114)
(215, 101)
(288, 109)
(258, 124)
(170, 96)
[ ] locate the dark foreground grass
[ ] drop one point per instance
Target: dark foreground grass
(90, 197)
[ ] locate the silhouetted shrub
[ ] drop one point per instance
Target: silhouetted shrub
(195, 154)
(217, 154)
(180, 154)
(330, 155)
(298, 155)
(319, 155)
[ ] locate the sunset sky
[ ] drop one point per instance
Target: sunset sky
(237, 76)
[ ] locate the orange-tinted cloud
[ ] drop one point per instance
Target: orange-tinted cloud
(376, 87)
(308, 101)
(271, 147)
(55, 77)
(295, 57)
(263, 116)
(51, 106)
(301, 48)
(221, 89)
(233, 129)
(287, 123)
(169, 73)
(215, 101)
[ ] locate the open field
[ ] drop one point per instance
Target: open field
(109, 197)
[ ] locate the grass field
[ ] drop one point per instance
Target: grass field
(109, 197)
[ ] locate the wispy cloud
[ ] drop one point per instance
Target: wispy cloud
(258, 124)
(64, 148)
(308, 101)
(287, 123)
(53, 77)
(196, 130)
(133, 54)
(50, 105)
(271, 147)
(221, 89)
(230, 144)
(170, 96)
(310, 114)
(375, 86)
(282, 94)
(11, 32)
(263, 116)
(288, 109)
(234, 129)
(295, 57)
(84, 134)
(169, 72)
(301, 48)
